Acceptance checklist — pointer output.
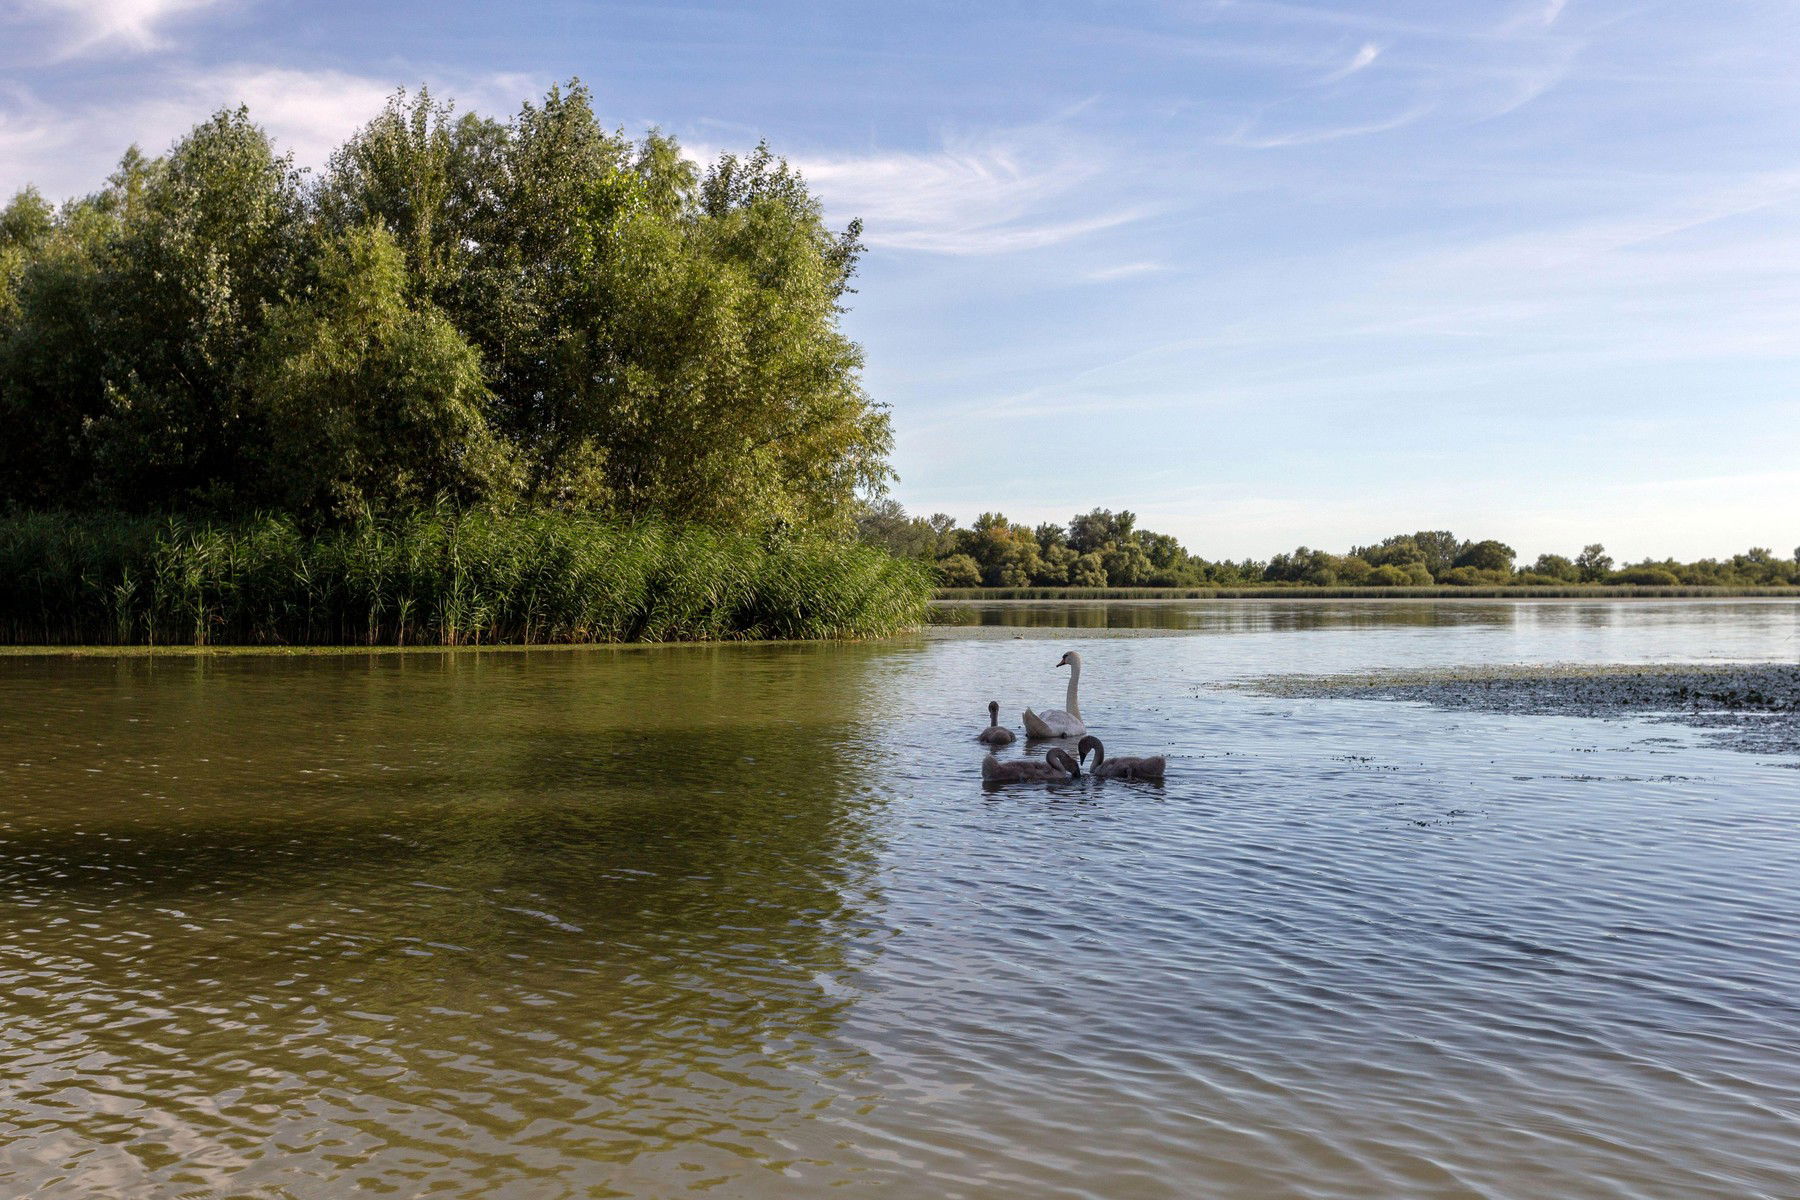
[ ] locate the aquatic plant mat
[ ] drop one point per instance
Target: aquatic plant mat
(1746, 706)
(437, 578)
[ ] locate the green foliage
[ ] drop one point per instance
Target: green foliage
(1556, 568)
(1096, 530)
(885, 524)
(374, 403)
(1088, 570)
(1592, 563)
(1441, 550)
(1475, 577)
(959, 571)
(539, 310)
(1398, 551)
(26, 223)
(1436, 549)
(436, 577)
(998, 555)
(1413, 574)
(209, 240)
(1055, 562)
(1308, 566)
(1489, 556)
(1646, 576)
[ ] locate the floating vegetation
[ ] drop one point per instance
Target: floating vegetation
(1748, 706)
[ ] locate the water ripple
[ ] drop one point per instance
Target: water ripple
(743, 921)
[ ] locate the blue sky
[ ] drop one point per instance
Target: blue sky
(1265, 273)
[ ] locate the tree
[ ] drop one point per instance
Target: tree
(1556, 567)
(1097, 529)
(1593, 563)
(1440, 548)
(1054, 565)
(1007, 553)
(884, 523)
(651, 341)
(1088, 571)
(1399, 550)
(210, 240)
(1486, 555)
(26, 223)
(52, 371)
(406, 171)
(373, 401)
(959, 571)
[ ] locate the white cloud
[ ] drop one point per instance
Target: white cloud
(69, 150)
(975, 196)
(1363, 58)
(85, 26)
(1124, 271)
(1247, 137)
(1540, 15)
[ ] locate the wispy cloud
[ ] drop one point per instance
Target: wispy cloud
(990, 195)
(1247, 136)
(1362, 59)
(132, 26)
(1541, 14)
(1129, 270)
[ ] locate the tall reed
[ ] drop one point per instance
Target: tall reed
(439, 577)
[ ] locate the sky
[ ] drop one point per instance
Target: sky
(1264, 273)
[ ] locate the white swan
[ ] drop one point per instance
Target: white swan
(1060, 722)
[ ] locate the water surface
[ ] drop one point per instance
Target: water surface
(744, 921)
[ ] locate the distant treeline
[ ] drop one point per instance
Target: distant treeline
(1103, 549)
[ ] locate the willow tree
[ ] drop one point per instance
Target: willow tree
(210, 239)
(658, 341)
(592, 323)
(373, 401)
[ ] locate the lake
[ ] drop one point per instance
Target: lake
(744, 921)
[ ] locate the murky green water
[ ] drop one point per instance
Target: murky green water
(743, 920)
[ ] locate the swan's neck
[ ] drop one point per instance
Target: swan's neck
(1070, 705)
(994, 720)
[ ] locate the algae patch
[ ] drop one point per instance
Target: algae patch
(1747, 706)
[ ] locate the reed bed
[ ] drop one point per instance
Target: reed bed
(440, 578)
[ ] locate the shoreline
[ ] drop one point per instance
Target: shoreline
(346, 649)
(1435, 592)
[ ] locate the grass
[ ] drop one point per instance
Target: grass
(1436, 592)
(440, 578)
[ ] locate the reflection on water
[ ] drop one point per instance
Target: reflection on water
(743, 920)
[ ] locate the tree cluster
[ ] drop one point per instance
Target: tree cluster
(1096, 549)
(536, 313)
(1106, 549)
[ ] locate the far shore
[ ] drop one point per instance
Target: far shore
(1437, 592)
